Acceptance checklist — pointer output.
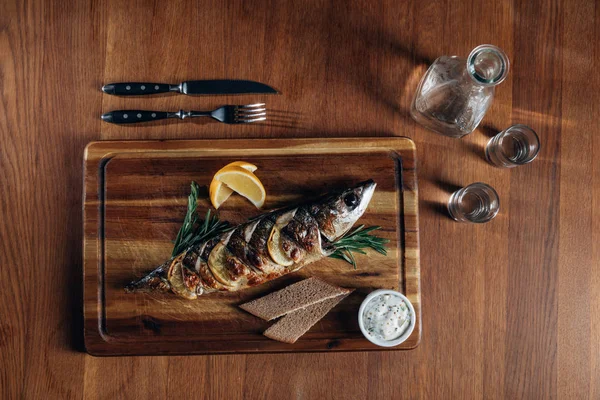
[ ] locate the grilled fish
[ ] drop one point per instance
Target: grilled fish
(265, 248)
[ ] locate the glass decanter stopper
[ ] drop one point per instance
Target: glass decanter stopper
(455, 92)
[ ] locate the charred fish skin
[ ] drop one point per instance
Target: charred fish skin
(210, 284)
(240, 258)
(258, 241)
(190, 258)
(240, 248)
(303, 229)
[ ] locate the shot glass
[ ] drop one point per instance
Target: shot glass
(516, 145)
(475, 203)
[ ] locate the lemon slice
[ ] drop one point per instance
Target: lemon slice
(219, 192)
(175, 277)
(276, 251)
(243, 182)
(216, 263)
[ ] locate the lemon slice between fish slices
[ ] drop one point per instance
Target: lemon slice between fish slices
(220, 192)
(175, 278)
(244, 182)
(275, 249)
(216, 264)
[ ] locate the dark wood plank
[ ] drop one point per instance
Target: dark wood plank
(578, 293)
(532, 237)
(51, 53)
(344, 69)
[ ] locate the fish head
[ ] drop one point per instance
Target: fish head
(336, 214)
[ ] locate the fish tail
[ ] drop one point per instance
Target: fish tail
(155, 280)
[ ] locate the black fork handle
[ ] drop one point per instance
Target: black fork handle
(138, 88)
(133, 116)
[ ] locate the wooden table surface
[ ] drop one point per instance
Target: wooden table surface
(511, 309)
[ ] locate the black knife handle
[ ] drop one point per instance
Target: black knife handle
(133, 116)
(138, 88)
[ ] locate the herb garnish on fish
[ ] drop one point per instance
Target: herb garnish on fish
(357, 241)
(193, 230)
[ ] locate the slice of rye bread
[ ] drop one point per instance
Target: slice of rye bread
(292, 298)
(295, 324)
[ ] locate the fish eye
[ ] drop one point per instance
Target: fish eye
(351, 200)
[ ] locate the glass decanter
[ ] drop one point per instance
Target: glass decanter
(455, 92)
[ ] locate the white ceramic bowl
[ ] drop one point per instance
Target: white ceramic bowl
(398, 340)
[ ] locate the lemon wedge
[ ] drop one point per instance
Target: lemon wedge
(219, 192)
(244, 164)
(243, 182)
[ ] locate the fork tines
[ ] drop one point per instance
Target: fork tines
(250, 113)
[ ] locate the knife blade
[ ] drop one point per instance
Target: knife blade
(204, 87)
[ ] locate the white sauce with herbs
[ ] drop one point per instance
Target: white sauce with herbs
(386, 317)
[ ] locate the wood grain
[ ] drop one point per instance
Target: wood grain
(512, 307)
(135, 196)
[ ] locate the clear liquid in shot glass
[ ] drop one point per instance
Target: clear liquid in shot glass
(476, 203)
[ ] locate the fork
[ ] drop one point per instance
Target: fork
(241, 114)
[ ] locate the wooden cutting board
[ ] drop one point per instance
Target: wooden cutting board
(135, 196)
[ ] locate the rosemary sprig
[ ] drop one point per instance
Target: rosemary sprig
(356, 241)
(193, 230)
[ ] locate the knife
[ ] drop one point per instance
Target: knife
(207, 87)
